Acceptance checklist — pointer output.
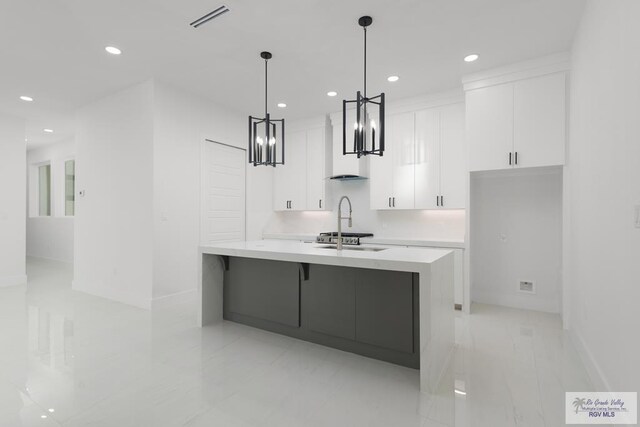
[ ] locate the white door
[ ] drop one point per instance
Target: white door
(453, 157)
(315, 169)
(403, 154)
(427, 167)
(222, 193)
(489, 119)
(539, 121)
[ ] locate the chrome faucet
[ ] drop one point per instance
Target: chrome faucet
(340, 218)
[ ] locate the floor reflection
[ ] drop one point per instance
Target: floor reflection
(72, 359)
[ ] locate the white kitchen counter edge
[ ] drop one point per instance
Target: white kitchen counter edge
(453, 244)
(392, 258)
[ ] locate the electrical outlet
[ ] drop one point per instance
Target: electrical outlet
(527, 287)
(637, 216)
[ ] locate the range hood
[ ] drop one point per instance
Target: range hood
(349, 167)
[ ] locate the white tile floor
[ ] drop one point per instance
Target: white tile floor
(80, 360)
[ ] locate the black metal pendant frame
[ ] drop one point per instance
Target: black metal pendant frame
(364, 132)
(264, 137)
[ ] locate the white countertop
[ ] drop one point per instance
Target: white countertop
(412, 259)
(438, 243)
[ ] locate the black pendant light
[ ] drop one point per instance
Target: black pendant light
(367, 118)
(266, 135)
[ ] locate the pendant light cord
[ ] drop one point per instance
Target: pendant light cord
(265, 87)
(365, 62)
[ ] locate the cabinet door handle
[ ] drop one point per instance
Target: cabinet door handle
(516, 157)
(441, 200)
(437, 200)
(394, 201)
(320, 203)
(389, 201)
(510, 158)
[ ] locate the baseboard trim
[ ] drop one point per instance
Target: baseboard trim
(514, 301)
(172, 299)
(111, 296)
(594, 371)
(19, 279)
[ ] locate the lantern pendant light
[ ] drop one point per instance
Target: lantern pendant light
(366, 119)
(266, 135)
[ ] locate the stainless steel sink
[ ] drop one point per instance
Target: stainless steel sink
(354, 248)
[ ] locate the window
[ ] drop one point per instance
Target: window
(69, 187)
(44, 190)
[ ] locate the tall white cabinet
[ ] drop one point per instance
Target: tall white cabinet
(424, 164)
(301, 183)
(517, 124)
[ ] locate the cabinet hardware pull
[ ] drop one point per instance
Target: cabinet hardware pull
(394, 202)
(510, 158)
(516, 157)
(389, 201)
(320, 203)
(441, 200)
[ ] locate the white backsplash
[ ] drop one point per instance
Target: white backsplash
(399, 224)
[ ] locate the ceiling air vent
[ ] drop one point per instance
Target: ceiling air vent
(209, 16)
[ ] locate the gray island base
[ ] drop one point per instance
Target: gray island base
(394, 304)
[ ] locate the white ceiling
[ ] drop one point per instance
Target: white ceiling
(53, 50)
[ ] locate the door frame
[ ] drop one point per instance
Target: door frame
(203, 146)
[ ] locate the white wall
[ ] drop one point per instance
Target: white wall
(113, 228)
(182, 122)
(13, 192)
(408, 224)
(604, 185)
(50, 237)
(516, 234)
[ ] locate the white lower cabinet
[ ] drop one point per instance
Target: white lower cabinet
(301, 183)
(424, 164)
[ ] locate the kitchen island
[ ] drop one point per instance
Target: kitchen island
(390, 303)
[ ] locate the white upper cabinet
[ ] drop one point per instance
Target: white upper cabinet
(424, 163)
(517, 124)
(490, 127)
(453, 158)
(403, 166)
(316, 170)
(539, 132)
(301, 183)
(290, 179)
(427, 152)
(392, 175)
(441, 168)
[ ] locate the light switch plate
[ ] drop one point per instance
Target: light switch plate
(637, 216)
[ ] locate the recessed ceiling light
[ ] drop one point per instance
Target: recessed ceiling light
(471, 58)
(43, 416)
(393, 78)
(282, 105)
(52, 410)
(26, 98)
(332, 93)
(48, 130)
(113, 50)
